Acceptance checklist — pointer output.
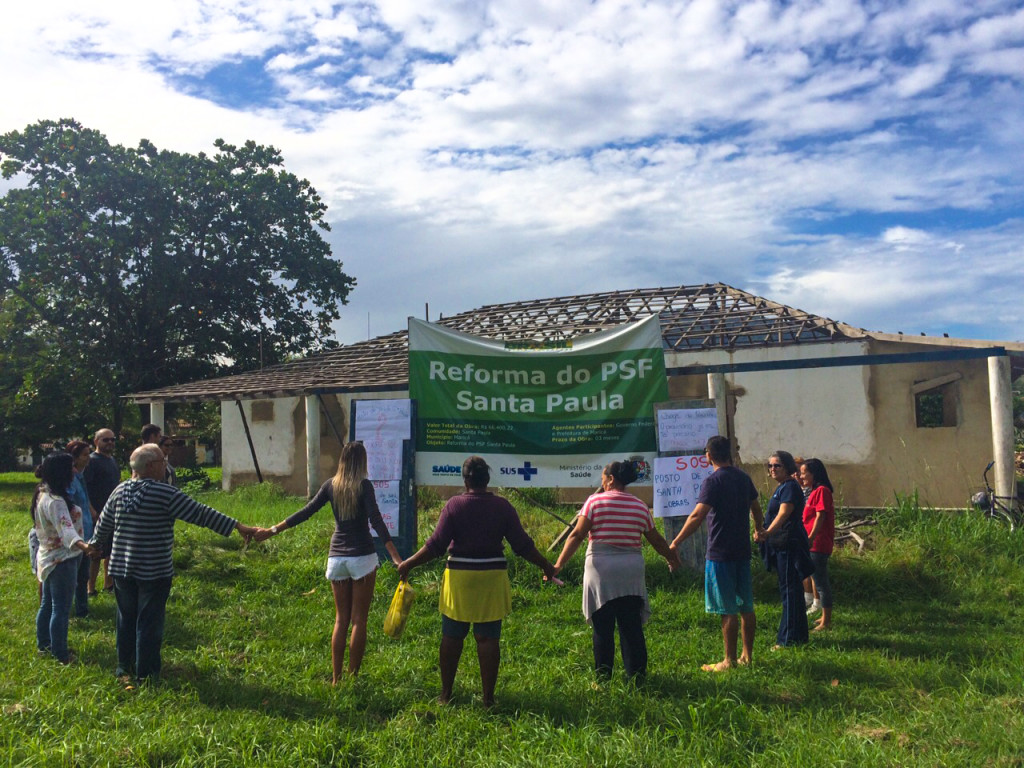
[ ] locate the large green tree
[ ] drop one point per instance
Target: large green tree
(140, 268)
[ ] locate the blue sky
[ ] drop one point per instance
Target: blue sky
(859, 160)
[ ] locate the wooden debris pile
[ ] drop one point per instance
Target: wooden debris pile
(847, 531)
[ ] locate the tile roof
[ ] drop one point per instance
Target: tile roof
(698, 317)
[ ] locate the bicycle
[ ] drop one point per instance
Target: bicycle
(1008, 510)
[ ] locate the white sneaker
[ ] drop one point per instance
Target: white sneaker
(814, 607)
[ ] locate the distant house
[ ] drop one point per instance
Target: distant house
(887, 413)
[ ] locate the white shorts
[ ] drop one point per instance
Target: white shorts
(342, 568)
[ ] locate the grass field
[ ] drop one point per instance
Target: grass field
(923, 668)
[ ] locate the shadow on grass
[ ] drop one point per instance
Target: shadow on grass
(229, 690)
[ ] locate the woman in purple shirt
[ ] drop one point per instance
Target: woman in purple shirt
(352, 559)
(473, 529)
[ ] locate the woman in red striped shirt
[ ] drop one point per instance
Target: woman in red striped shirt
(614, 590)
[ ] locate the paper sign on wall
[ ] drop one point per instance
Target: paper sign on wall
(383, 458)
(387, 492)
(686, 430)
(384, 420)
(677, 481)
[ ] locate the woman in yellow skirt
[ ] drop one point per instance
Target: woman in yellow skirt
(472, 529)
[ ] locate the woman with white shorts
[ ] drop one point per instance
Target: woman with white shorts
(352, 559)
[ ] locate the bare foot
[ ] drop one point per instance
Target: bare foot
(744, 661)
(721, 666)
(821, 627)
(444, 700)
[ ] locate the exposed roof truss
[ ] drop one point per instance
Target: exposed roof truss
(710, 316)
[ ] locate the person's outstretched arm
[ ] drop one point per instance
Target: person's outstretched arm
(693, 521)
(572, 542)
(662, 548)
(313, 505)
(423, 556)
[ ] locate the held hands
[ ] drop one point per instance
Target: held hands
(247, 532)
(552, 576)
(760, 534)
(261, 534)
(674, 562)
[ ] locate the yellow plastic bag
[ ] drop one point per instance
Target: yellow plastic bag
(398, 613)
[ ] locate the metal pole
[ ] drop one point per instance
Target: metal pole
(252, 448)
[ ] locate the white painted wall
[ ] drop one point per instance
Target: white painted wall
(274, 441)
(822, 412)
(278, 446)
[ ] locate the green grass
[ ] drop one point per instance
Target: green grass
(923, 668)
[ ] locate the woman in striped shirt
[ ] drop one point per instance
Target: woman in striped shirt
(614, 590)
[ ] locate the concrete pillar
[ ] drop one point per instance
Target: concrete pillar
(1001, 400)
(312, 445)
(156, 415)
(717, 391)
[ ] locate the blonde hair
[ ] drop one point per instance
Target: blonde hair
(348, 479)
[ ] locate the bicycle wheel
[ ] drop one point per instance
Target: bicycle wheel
(1003, 516)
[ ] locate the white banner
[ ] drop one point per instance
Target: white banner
(518, 471)
(387, 493)
(677, 481)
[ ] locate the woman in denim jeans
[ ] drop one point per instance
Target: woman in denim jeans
(820, 523)
(58, 525)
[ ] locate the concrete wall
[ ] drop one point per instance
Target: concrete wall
(280, 442)
(273, 440)
(822, 412)
(944, 464)
(860, 421)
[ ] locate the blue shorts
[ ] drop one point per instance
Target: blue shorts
(727, 587)
(459, 629)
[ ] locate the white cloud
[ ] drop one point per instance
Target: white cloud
(697, 141)
(913, 281)
(903, 237)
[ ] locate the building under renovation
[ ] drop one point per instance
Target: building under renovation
(887, 413)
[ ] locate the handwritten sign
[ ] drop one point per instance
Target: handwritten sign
(686, 430)
(384, 420)
(383, 458)
(677, 481)
(387, 492)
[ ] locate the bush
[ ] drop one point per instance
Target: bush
(428, 498)
(192, 480)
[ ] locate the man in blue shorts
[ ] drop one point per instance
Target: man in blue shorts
(727, 499)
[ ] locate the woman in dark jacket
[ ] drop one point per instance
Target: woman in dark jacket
(785, 548)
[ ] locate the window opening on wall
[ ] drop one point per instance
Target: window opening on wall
(937, 401)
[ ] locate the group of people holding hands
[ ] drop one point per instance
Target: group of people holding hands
(135, 529)
(133, 533)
